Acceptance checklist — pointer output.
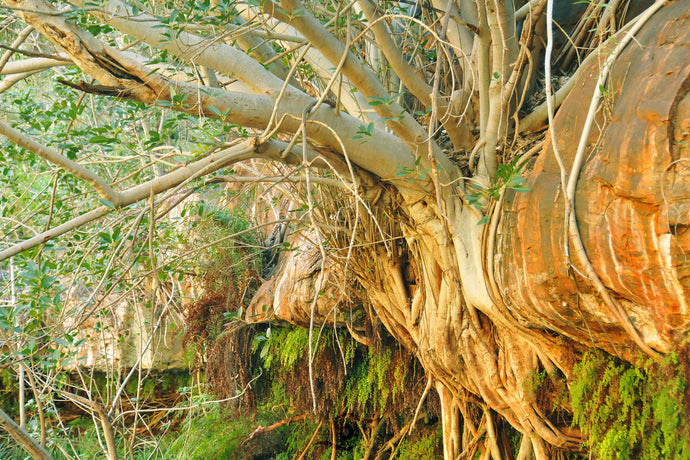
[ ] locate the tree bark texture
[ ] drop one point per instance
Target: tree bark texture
(631, 205)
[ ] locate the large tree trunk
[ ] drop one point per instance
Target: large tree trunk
(482, 310)
(631, 204)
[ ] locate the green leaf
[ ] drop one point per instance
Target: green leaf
(264, 351)
(215, 111)
(522, 188)
(107, 203)
(102, 140)
(514, 181)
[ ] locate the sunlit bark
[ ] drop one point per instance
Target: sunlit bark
(484, 306)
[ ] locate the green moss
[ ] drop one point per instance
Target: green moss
(369, 389)
(632, 411)
(371, 385)
(424, 448)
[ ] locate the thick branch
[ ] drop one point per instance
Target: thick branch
(525, 9)
(31, 65)
(21, 37)
(503, 54)
(536, 119)
(353, 101)
(418, 87)
(23, 438)
(217, 56)
(259, 48)
(13, 79)
(409, 77)
(401, 122)
(133, 80)
(72, 167)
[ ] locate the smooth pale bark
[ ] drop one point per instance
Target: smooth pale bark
(13, 79)
(381, 153)
(258, 48)
(407, 74)
(400, 122)
(21, 38)
(32, 65)
(218, 56)
(350, 98)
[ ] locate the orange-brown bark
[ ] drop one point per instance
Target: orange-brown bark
(632, 203)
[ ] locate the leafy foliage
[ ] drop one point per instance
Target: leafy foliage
(423, 449)
(508, 177)
(372, 386)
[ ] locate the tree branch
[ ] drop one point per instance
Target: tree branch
(20, 435)
(409, 77)
(206, 165)
(353, 101)
(270, 150)
(103, 416)
(72, 167)
(265, 429)
(32, 65)
(13, 79)
(217, 56)
(503, 54)
(400, 122)
(21, 37)
(114, 68)
(418, 87)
